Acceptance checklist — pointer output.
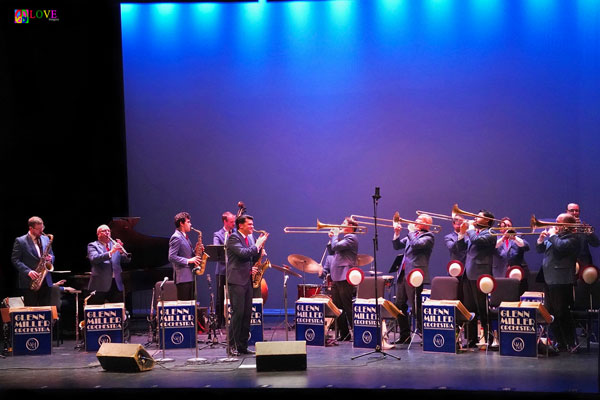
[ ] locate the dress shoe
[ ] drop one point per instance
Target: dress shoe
(247, 351)
(346, 338)
(234, 353)
(403, 340)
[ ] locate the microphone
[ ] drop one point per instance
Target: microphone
(163, 282)
(376, 196)
(285, 279)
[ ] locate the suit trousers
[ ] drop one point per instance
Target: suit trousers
(240, 297)
(560, 302)
(220, 306)
(405, 297)
(476, 300)
(185, 290)
(341, 294)
(114, 295)
(37, 298)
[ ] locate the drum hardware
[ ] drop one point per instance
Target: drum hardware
(213, 336)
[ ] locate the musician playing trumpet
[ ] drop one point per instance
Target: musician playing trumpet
(106, 256)
(417, 246)
(510, 251)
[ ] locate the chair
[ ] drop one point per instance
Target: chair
(168, 292)
(507, 289)
(585, 311)
(444, 288)
(366, 289)
(56, 301)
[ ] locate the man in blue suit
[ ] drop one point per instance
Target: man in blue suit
(242, 254)
(417, 246)
(182, 257)
(26, 254)
(344, 249)
(560, 247)
(510, 251)
(219, 238)
(586, 239)
(106, 258)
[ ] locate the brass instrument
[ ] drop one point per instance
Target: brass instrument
(513, 231)
(320, 228)
(262, 268)
(361, 219)
(199, 252)
(576, 227)
(455, 211)
(85, 301)
(43, 266)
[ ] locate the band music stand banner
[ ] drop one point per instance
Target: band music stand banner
(533, 296)
(103, 324)
(518, 324)
(365, 323)
(31, 330)
(310, 321)
(425, 295)
(179, 323)
(439, 327)
(256, 322)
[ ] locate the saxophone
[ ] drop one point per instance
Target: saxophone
(261, 266)
(43, 266)
(199, 251)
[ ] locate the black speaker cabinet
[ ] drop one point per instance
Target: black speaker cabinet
(281, 356)
(121, 357)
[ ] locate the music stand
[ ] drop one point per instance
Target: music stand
(216, 253)
(162, 305)
(378, 348)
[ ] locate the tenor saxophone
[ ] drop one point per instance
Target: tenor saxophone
(199, 251)
(262, 268)
(43, 266)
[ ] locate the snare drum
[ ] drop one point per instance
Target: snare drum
(308, 290)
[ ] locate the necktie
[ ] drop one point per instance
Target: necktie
(107, 247)
(247, 243)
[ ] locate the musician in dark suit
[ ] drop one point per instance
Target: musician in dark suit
(182, 257)
(480, 247)
(417, 246)
(106, 258)
(586, 239)
(242, 254)
(344, 249)
(219, 238)
(510, 251)
(560, 247)
(458, 251)
(26, 254)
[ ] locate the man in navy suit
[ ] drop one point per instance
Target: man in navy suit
(417, 246)
(106, 258)
(345, 252)
(457, 250)
(219, 238)
(560, 247)
(242, 254)
(480, 247)
(510, 251)
(586, 239)
(182, 257)
(26, 254)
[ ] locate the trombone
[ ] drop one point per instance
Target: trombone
(576, 226)
(366, 221)
(320, 228)
(455, 211)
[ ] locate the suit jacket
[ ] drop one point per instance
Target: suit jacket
(25, 258)
(480, 252)
(458, 250)
(585, 241)
(417, 246)
(219, 239)
(180, 250)
(105, 266)
(560, 254)
(345, 252)
(240, 259)
(505, 257)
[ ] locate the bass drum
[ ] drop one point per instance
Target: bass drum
(305, 290)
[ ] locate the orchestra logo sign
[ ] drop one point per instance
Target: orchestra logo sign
(32, 332)
(25, 16)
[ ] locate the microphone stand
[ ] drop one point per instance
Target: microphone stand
(162, 305)
(196, 360)
(378, 346)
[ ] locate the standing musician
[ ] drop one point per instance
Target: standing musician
(586, 238)
(26, 256)
(458, 251)
(417, 245)
(560, 247)
(219, 238)
(182, 257)
(480, 247)
(106, 256)
(242, 254)
(510, 251)
(345, 252)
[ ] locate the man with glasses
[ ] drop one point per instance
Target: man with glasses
(586, 239)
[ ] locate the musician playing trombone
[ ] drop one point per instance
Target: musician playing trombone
(586, 238)
(417, 246)
(106, 256)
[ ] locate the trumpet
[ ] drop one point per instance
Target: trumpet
(513, 231)
(364, 220)
(320, 228)
(115, 243)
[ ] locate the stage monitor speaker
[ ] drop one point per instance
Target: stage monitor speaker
(121, 357)
(281, 356)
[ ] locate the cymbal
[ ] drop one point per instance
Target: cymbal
(304, 263)
(364, 259)
(286, 270)
(61, 272)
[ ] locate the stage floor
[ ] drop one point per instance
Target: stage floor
(329, 369)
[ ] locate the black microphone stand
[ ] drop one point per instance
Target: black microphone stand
(378, 346)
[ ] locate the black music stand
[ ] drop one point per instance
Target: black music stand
(378, 348)
(216, 253)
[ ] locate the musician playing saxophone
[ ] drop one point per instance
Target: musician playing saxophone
(242, 254)
(26, 256)
(182, 257)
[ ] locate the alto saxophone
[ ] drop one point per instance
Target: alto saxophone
(43, 266)
(262, 268)
(199, 252)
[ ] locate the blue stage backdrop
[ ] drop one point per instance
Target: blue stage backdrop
(300, 109)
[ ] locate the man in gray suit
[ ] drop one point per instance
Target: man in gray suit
(417, 246)
(219, 238)
(106, 258)
(242, 254)
(182, 257)
(344, 250)
(560, 247)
